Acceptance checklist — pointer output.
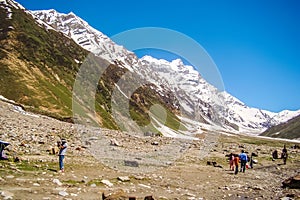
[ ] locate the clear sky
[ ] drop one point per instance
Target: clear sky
(255, 44)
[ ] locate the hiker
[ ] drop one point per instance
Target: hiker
(231, 162)
(62, 145)
(275, 154)
(244, 159)
(284, 154)
(236, 163)
(3, 144)
(251, 160)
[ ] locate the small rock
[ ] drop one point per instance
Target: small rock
(114, 142)
(56, 181)
(10, 177)
(163, 198)
(190, 195)
(123, 178)
(120, 194)
(6, 195)
(257, 188)
(93, 138)
(145, 186)
(107, 183)
(63, 193)
(36, 184)
(131, 163)
(137, 177)
(93, 185)
(285, 198)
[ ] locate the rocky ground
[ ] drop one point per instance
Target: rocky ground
(103, 162)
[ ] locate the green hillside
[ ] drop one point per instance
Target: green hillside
(289, 129)
(38, 68)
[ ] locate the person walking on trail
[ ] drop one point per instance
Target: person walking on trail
(62, 152)
(251, 160)
(236, 163)
(231, 162)
(284, 155)
(244, 159)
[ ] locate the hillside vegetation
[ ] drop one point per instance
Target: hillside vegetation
(289, 129)
(39, 67)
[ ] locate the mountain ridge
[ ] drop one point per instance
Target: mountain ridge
(289, 129)
(197, 97)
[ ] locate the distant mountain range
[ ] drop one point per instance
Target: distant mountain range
(42, 51)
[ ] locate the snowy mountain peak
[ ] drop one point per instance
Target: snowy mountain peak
(12, 3)
(177, 62)
(8, 5)
(87, 37)
(197, 97)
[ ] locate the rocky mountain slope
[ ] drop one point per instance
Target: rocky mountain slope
(39, 67)
(37, 64)
(198, 99)
(43, 52)
(289, 129)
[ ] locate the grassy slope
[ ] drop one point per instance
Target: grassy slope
(38, 68)
(289, 129)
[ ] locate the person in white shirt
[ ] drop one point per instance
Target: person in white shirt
(62, 152)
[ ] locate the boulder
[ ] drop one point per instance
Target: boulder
(107, 183)
(123, 178)
(131, 163)
(293, 182)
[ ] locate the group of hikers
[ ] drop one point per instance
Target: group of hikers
(284, 155)
(234, 159)
(243, 159)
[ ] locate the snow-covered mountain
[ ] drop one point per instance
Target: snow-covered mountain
(87, 37)
(198, 99)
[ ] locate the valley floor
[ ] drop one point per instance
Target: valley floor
(86, 176)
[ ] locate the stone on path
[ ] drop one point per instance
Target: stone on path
(6, 195)
(56, 181)
(63, 193)
(123, 178)
(131, 163)
(107, 183)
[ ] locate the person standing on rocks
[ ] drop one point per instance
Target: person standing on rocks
(244, 159)
(284, 155)
(62, 152)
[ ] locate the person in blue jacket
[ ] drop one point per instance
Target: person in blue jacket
(244, 159)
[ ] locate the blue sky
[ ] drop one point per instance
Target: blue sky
(255, 44)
